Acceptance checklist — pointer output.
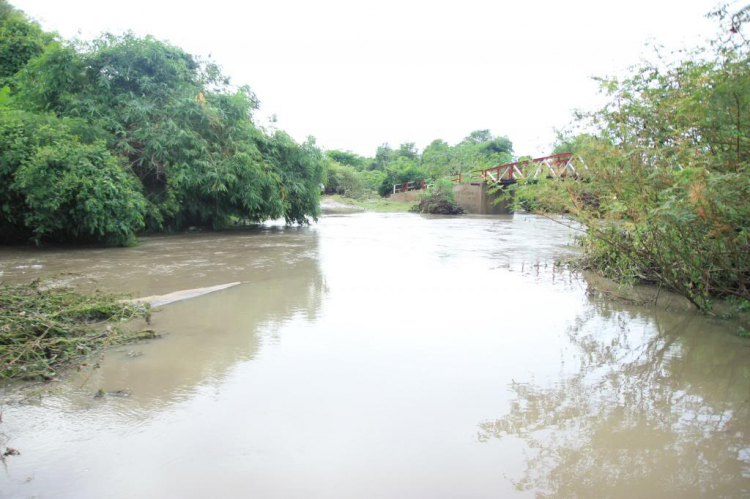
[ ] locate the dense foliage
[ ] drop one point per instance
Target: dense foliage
(20, 41)
(54, 186)
(101, 139)
(666, 193)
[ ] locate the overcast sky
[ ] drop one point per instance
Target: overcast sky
(356, 74)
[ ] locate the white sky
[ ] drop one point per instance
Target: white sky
(356, 74)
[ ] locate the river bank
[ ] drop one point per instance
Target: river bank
(333, 204)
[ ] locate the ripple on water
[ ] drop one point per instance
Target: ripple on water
(389, 355)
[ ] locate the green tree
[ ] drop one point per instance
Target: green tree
(372, 180)
(54, 187)
(383, 156)
(498, 145)
(439, 199)
(399, 171)
(478, 137)
(408, 150)
(437, 158)
(186, 133)
(567, 143)
(343, 180)
(356, 161)
(20, 41)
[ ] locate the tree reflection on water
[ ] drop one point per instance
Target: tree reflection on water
(654, 406)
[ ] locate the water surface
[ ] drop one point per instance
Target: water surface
(383, 356)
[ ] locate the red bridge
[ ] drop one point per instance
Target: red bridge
(556, 166)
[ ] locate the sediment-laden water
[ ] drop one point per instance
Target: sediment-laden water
(382, 356)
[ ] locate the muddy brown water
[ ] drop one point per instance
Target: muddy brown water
(383, 356)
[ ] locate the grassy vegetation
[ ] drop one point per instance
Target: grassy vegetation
(42, 330)
(376, 204)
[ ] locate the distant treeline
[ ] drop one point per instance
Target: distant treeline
(101, 140)
(354, 176)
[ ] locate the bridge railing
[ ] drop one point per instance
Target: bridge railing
(413, 185)
(460, 178)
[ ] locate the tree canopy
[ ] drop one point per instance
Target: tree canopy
(171, 129)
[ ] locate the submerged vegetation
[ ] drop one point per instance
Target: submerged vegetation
(665, 198)
(42, 329)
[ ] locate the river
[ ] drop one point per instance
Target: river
(382, 356)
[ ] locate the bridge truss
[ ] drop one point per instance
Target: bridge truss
(558, 166)
(564, 165)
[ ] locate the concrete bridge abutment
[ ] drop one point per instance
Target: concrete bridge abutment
(473, 197)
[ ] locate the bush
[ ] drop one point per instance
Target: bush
(53, 187)
(665, 196)
(80, 192)
(398, 171)
(372, 180)
(686, 230)
(439, 200)
(343, 180)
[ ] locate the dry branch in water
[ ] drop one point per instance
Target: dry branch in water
(43, 329)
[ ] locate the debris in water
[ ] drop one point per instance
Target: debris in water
(146, 334)
(43, 329)
(100, 393)
(149, 302)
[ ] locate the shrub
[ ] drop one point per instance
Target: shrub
(439, 199)
(665, 196)
(343, 180)
(54, 187)
(80, 192)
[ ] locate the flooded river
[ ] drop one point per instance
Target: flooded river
(382, 356)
